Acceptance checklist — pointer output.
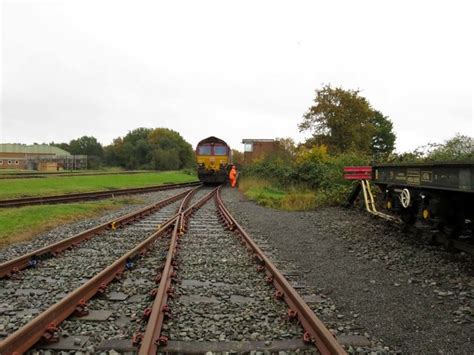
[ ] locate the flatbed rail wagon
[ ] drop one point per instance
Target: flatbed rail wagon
(441, 194)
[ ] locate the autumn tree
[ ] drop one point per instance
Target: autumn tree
(286, 148)
(344, 121)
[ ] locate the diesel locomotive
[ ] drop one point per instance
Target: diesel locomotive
(214, 160)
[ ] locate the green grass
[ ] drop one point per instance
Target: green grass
(291, 198)
(14, 188)
(269, 194)
(18, 224)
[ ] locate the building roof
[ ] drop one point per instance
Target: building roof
(245, 141)
(32, 149)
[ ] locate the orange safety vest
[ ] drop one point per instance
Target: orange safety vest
(232, 174)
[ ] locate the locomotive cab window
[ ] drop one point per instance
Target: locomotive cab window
(220, 150)
(204, 150)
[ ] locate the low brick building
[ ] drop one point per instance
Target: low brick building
(257, 148)
(39, 157)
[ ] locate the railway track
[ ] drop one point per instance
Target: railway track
(28, 201)
(197, 283)
(27, 175)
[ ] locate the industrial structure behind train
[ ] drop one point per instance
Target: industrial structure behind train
(214, 160)
(441, 194)
(40, 157)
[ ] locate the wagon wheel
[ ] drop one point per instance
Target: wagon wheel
(405, 198)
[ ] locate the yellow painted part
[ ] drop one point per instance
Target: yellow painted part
(114, 226)
(212, 162)
(389, 204)
(368, 197)
(426, 213)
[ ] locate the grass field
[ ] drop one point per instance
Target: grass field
(75, 184)
(18, 224)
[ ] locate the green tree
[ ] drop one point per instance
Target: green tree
(237, 157)
(86, 146)
(383, 140)
(146, 148)
(344, 121)
(64, 146)
(460, 147)
(170, 144)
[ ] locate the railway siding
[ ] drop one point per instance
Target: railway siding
(65, 231)
(38, 288)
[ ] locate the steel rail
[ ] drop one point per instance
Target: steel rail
(151, 339)
(28, 201)
(315, 331)
(12, 266)
(62, 174)
(47, 321)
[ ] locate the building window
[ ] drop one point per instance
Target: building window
(17, 162)
(9, 162)
(248, 147)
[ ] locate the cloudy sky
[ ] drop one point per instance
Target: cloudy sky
(240, 69)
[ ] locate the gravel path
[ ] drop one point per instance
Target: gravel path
(398, 291)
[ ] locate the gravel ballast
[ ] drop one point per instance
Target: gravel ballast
(397, 290)
(221, 296)
(68, 230)
(38, 288)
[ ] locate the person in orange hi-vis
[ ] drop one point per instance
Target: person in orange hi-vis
(233, 176)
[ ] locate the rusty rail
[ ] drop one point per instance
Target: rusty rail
(27, 175)
(315, 331)
(25, 337)
(32, 258)
(152, 338)
(28, 201)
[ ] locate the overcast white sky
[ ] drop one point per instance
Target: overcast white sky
(241, 69)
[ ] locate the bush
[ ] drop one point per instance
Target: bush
(309, 179)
